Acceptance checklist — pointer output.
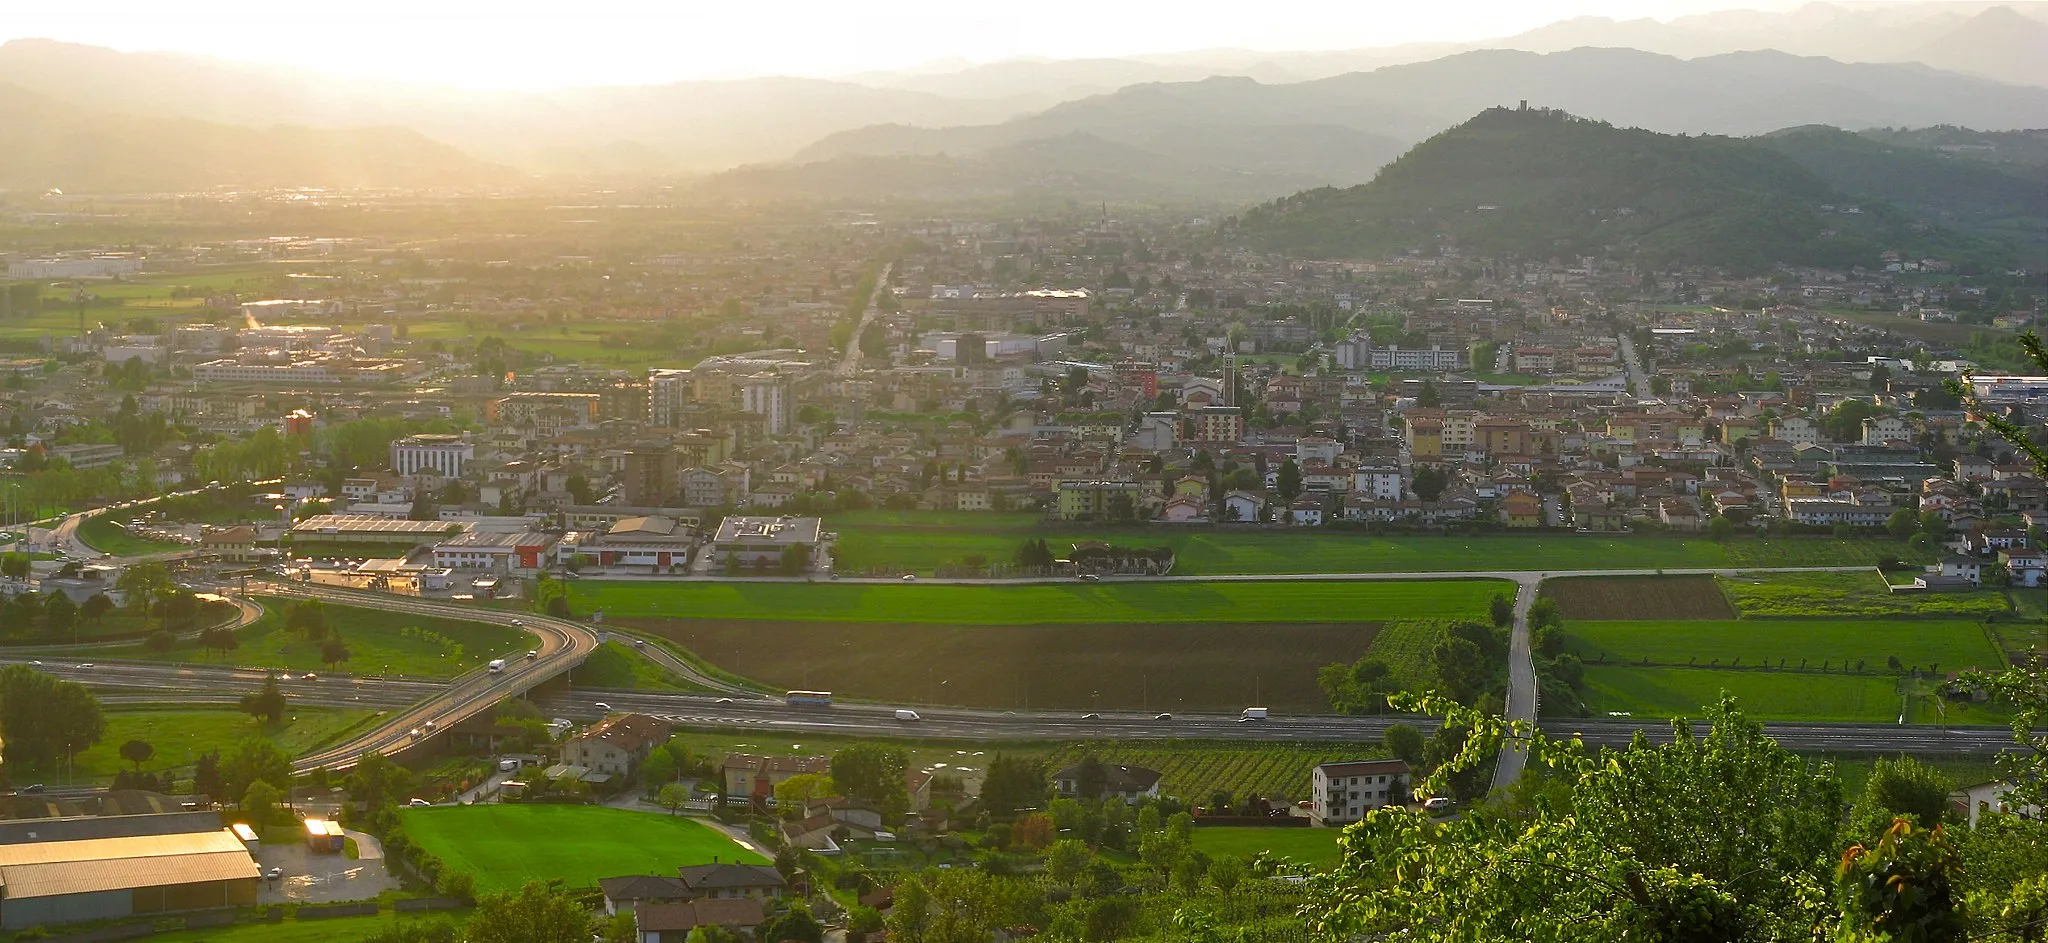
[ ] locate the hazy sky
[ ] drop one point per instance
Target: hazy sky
(526, 44)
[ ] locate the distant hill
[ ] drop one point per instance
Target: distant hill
(52, 144)
(2021, 153)
(1957, 192)
(1544, 183)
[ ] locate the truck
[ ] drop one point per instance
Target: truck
(497, 665)
(809, 698)
(1253, 713)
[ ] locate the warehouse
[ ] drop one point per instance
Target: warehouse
(65, 870)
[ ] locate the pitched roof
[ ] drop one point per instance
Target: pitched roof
(724, 912)
(643, 887)
(53, 868)
(1364, 768)
(704, 877)
(1117, 778)
(629, 732)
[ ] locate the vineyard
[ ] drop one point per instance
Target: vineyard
(1405, 646)
(1639, 597)
(1195, 771)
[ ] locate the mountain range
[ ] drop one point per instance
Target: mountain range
(1544, 183)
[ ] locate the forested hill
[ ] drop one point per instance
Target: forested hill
(1544, 183)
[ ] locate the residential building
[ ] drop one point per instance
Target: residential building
(721, 881)
(748, 775)
(443, 455)
(1341, 793)
(1129, 783)
(1218, 424)
(1521, 509)
(674, 922)
(616, 745)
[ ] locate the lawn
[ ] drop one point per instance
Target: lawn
(1945, 645)
(1763, 695)
(1846, 594)
(1044, 603)
(613, 666)
(379, 642)
(1316, 847)
(506, 845)
(904, 541)
(101, 533)
(179, 735)
(320, 930)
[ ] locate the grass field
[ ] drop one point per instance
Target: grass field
(1043, 603)
(378, 643)
(921, 542)
(505, 846)
(103, 534)
(1947, 645)
(181, 735)
(321, 930)
(1764, 695)
(1639, 597)
(1851, 594)
(1316, 847)
(615, 667)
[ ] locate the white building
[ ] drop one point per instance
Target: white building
(443, 455)
(667, 392)
(1377, 482)
(1342, 793)
(767, 394)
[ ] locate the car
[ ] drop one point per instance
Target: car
(276, 873)
(309, 676)
(1091, 716)
(428, 726)
(724, 700)
(519, 622)
(1162, 716)
(32, 789)
(419, 803)
(909, 577)
(603, 706)
(85, 664)
(36, 664)
(1437, 803)
(1091, 577)
(416, 733)
(640, 643)
(533, 654)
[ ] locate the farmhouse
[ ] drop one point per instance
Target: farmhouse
(93, 868)
(625, 894)
(1344, 792)
(672, 922)
(724, 881)
(617, 745)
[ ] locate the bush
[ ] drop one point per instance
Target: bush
(458, 885)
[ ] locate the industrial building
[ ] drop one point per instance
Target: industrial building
(66, 870)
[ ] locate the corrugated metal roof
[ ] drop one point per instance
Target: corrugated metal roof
(46, 869)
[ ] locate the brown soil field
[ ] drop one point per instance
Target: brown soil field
(1198, 667)
(1640, 597)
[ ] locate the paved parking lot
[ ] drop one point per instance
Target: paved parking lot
(323, 878)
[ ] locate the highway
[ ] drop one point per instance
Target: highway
(850, 366)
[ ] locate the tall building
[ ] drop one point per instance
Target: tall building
(650, 477)
(443, 455)
(768, 395)
(667, 391)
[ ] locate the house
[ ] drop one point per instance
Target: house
(2027, 567)
(1522, 509)
(1129, 783)
(235, 544)
(672, 922)
(746, 774)
(617, 745)
(1184, 509)
(1243, 506)
(1973, 801)
(1343, 792)
(1306, 511)
(623, 894)
(723, 881)
(1962, 568)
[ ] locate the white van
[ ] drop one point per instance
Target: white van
(907, 715)
(497, 665)
(1254, 713)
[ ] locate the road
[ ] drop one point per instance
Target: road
(849, 365)
(1638, 378)
(1522, 690)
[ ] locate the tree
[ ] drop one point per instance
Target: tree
(159, 641)
(1065, 860)
(1405, 743)
(255, 759)
(1288, 480)
(1429, 397)
(1903, 889)
(674, 797)
(1429, 483)
(45, 719)
(794, 923)
(333, 651)
(1720, 529)
(206, 777)
(1502, 608)
(1033, 832)
(659, 769)
(1090, 778)
(1934, 525)
(1717, 836)
(14, 566)
(259, 802)
(96, 607)
(307, 617)
(266, 704)
(959, 905)
(1903, 787)
(376, 781)
(218, 638)
(416, 931)
(1014, 785)
(578, 487)
(874, 774)
(142, 584)
(137, 752)
(1902, 524)
(60, 614)
(536, 913)
(792, 794)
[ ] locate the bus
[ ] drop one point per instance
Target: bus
(809, 698)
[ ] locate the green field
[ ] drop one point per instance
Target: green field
(1850, 594)
(921, 542)
(1947, 645)
(1764, 695)
(378, 643)
(1042, 603)
(179, 735)
(101, 533)
(311, 930)
(615, 667)
(507, 845)
(1316, 847)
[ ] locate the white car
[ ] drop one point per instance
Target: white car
(603, 706)
(419, 803)
(909, 577)
(1437, 803)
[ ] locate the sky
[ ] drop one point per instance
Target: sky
(534, 45)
